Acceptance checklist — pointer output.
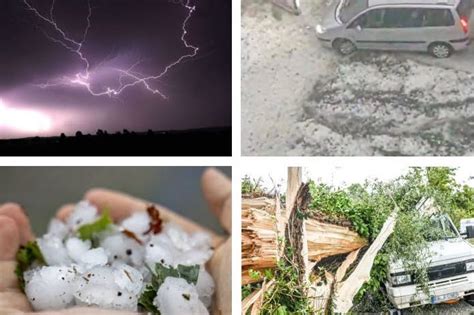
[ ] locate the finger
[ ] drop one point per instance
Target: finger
(64, 212)
(9, 238)
(122, 206)
(14, 300)
(220, 268)
(8, 278)
(18, 214)
(217, 190)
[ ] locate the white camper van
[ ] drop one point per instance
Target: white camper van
(439, 27)
(450, 272)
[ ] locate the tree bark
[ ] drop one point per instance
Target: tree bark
(296, 234)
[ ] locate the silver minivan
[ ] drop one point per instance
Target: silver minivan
(439, 27)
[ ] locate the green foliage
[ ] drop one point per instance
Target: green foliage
(161, 272)
(287, 296)
(89, 231)
(146, 300)
(252, 187)
(25, 257)
(254, 275)
(365, 206)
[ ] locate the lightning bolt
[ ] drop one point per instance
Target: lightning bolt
(128, 77)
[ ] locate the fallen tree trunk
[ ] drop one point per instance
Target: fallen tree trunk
(345, 291)
(262, 203)
(263, 222)
(259, 237)
(326, 240)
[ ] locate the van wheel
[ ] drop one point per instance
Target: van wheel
(469, 299)
(440, 50)
(344, 46)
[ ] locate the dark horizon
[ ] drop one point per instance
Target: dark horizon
(122, 33)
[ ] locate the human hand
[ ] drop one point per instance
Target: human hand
(15, 230)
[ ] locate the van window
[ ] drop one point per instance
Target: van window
(465, 8)
(441, 228)
(391, 18)
(371, 19)
(403, 18)
(437, 17)
(350, 8)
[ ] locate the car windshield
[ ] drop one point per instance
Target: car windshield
(348, 9)
(442, 228)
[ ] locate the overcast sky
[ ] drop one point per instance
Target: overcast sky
(122, 32)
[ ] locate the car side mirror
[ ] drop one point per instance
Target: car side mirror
(359, 28)
(467, 228)
(470, 231)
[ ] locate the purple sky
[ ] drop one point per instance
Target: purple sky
(122, 32)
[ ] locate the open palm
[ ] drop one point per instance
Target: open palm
(15, 230)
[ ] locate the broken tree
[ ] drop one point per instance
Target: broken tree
(259, 236)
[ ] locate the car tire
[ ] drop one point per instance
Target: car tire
(344, 46)
(469, 299)
(440, 50)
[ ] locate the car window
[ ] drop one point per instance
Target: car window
(348, 9)
(403, 18)
(441, 228)
(437, 17)
(371, 19)
(391, 18)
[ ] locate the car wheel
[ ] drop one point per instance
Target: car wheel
(469, 299)
(344, 46)
(440, 50)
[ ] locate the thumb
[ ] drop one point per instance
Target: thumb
(9, 243)
(217, 190)
(11, 299)
(9, 238)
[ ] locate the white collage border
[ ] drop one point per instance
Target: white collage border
(237, 162)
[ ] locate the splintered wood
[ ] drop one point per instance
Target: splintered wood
(326, 240)
(346, 290)
(259, 236)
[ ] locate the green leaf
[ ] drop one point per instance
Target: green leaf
(25, 257)
(88, 231)
(282, 310)
(188, 273)
(146, 300)
(161, 272)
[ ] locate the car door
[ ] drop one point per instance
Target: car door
(388, 29)
(368, 31)
(404, 26)
(439, 25)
